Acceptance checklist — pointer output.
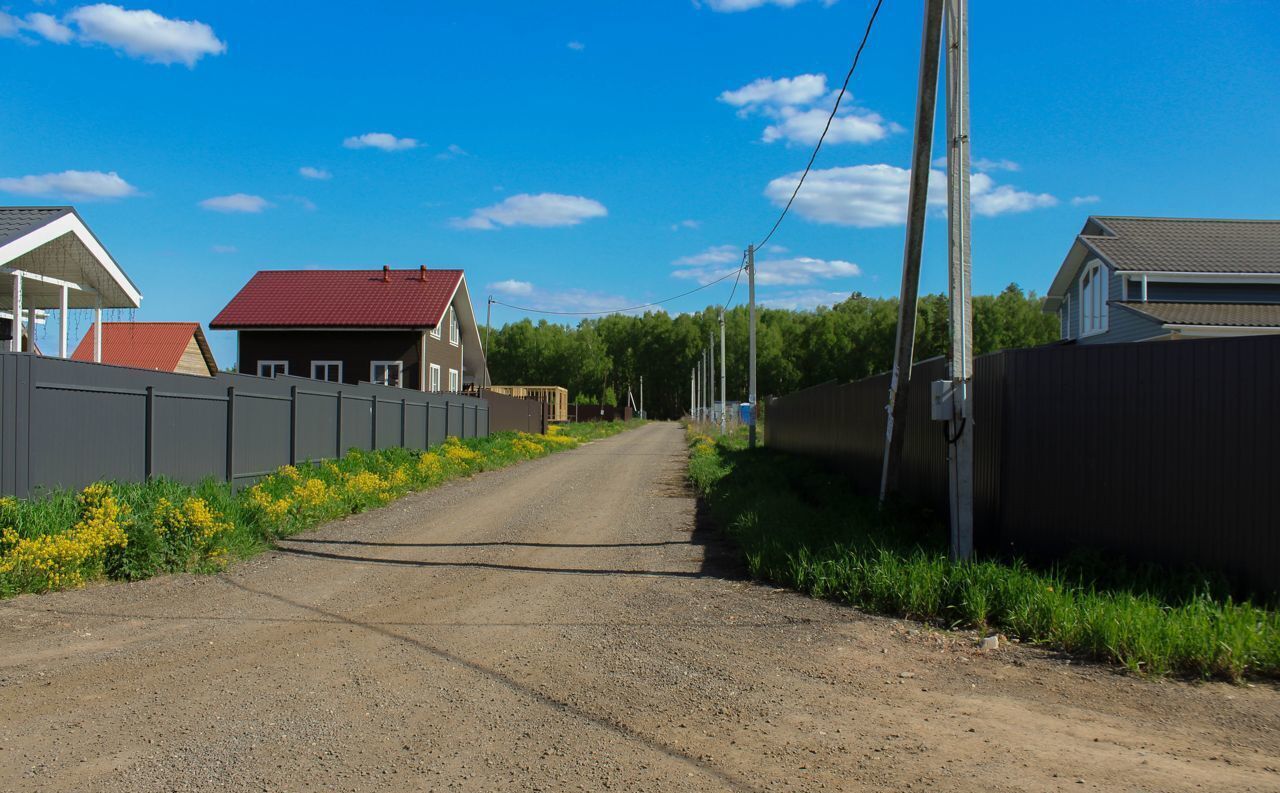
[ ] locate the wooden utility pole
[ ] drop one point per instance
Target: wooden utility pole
(960, 270)
(751, 344)
(724, 398)
(921, 153)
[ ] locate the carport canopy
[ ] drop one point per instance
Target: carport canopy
(56, 262)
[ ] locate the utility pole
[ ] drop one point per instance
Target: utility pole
(724, 394)
(960, 270)
(711, 345)
(751, 345)
(641, 396)
(921, 153)
(706, 390)
(488, 326)
(693, 392)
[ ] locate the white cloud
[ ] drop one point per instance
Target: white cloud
(1081, 200)
(10, 26)
(512, 287)
(453, 151)
(50, 28)
(869, 196)
(236, 202)
(145, 34)
(733, 6)
(225, 249)
(380, 140)
(716, 254)
(799, 90)
(982, 164)
(309, 172)
(805, 126)
(543, 210)
(576, 46)
(80, 185)
(686, 224)
(804, 299)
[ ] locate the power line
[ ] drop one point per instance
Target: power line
(827, 128)
(729, 303)
(617, 310)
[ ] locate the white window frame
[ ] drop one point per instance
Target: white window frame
(1093, 299)
(435, 332)
(455, 381)
(398, 365)
(433, 382)
(315, 364)
(454, 330)
(273, 364)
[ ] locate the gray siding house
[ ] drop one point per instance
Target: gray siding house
(1140, 279)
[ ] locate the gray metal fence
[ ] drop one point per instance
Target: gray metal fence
(68, 423)
(1159, 451)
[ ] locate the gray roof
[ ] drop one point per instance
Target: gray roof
(1226, 315)
(1185, 245)
(17, 221)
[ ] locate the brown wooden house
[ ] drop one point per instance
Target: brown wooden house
(408, 328)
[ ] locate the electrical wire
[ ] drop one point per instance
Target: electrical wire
(843, 88)
(729, 303)
(724, 277)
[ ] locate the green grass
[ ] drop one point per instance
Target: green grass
(798, 525)
(130, 531)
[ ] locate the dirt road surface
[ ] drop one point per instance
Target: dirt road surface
(567, 625)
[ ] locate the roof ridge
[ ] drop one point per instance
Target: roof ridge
(1183, 219)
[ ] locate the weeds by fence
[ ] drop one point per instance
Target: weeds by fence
(130, 531)
(798, 525)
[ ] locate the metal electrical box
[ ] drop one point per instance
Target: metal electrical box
(945, 393)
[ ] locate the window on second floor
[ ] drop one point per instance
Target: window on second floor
(1093, 300)
(272, 368)
(453, 327)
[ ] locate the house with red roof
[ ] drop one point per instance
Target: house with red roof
(178, 347)
(407, 328)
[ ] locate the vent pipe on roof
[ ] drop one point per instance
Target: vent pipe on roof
(386, 274)
(422, 273)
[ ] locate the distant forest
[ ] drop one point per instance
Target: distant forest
(600, 358)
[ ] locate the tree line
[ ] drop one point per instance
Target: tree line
(599, 359)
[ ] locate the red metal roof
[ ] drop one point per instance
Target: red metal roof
(340, 298)
(144, 345)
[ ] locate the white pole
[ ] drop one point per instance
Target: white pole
(97, 331)
(16, 325)
(724, 400)
(693, 392)
(961, 269)
(711, 347)
(31, 329)
(62, 324)
(751, 346)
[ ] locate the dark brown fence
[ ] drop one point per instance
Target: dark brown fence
(1159, 451)
(513, 413)
(600, 413)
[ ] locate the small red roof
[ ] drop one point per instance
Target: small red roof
(341, 298)
(145, 345)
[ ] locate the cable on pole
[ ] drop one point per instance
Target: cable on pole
(843, 88)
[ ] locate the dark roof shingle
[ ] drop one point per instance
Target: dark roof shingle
(340, 299)
(17, 221)
(1227, 315)
(1188, 245)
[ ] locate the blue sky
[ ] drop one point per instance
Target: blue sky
(587, 155)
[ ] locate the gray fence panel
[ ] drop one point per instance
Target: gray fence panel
(455, 419)
(317, 424)
(261, 435)
(357, 422)
(189, 436)
(62, 420)
(415, 427)
(437, 429)
(388, 424)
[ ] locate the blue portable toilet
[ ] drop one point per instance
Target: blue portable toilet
(744, 412)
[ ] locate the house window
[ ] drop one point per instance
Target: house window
(272, 368)
(434, 385)
(385, 373)
(454, 385)
(327, 370)
(453, 327)
(1093, 300)
(435, 332)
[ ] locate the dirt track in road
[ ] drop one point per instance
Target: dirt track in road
(567, 625)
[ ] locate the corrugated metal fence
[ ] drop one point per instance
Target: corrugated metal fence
(67, 423)
(1160, 451)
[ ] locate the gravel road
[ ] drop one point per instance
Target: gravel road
(568, 624)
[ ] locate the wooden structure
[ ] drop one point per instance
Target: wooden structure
(555, 397)
(178, 347)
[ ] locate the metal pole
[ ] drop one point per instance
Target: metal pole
(922, 151)
(724, 399)
(751, 345)
(960, 272)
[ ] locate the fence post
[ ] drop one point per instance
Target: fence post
(231, 435)
(293, 424)
(338, 443)
(149, 450)
(404, 419)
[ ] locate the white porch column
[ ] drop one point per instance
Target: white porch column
(62, 324)
(16, 344)
(97, 331)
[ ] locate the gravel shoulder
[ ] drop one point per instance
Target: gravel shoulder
(568, 624)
